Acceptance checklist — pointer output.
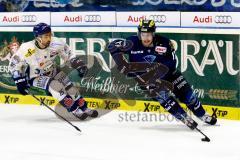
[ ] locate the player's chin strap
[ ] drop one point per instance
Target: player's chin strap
(39, 43)
(44, 104)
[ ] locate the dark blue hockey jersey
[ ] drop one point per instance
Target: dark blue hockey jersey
(161, 52)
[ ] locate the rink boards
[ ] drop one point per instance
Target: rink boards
(222, 112)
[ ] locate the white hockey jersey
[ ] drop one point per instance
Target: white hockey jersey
(40, 61)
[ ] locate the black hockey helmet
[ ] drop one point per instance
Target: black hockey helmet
(146, 26)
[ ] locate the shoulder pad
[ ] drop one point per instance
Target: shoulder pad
(120, 45)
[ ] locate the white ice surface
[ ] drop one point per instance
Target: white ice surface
(34, 133)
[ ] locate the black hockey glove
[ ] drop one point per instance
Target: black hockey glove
(22, 85)
(80, 66)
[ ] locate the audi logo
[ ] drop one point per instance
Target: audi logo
(158, 18)
(221, 19)
(92, 18)
(29, 18)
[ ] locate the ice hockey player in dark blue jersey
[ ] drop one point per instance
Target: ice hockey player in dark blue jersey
(149, 48)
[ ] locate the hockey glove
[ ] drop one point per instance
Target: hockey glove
(79, 65)
(22, 85)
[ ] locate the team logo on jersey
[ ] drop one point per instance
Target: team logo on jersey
(30, 52)
(150, 58)
(160, 50)
(136, 52)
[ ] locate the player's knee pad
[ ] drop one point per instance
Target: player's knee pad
(57, 90)
(173, 107)
(170, 104)
(63, 78)
(192, 101)
(72, 91)
(187, 97)
(163, 96)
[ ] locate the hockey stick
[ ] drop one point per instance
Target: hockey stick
(205, 139)
(44, 104)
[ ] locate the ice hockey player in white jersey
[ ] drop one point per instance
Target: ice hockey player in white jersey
(34, 66)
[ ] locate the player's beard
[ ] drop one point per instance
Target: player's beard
(42, 45)
(146, 43)
(47, 44)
